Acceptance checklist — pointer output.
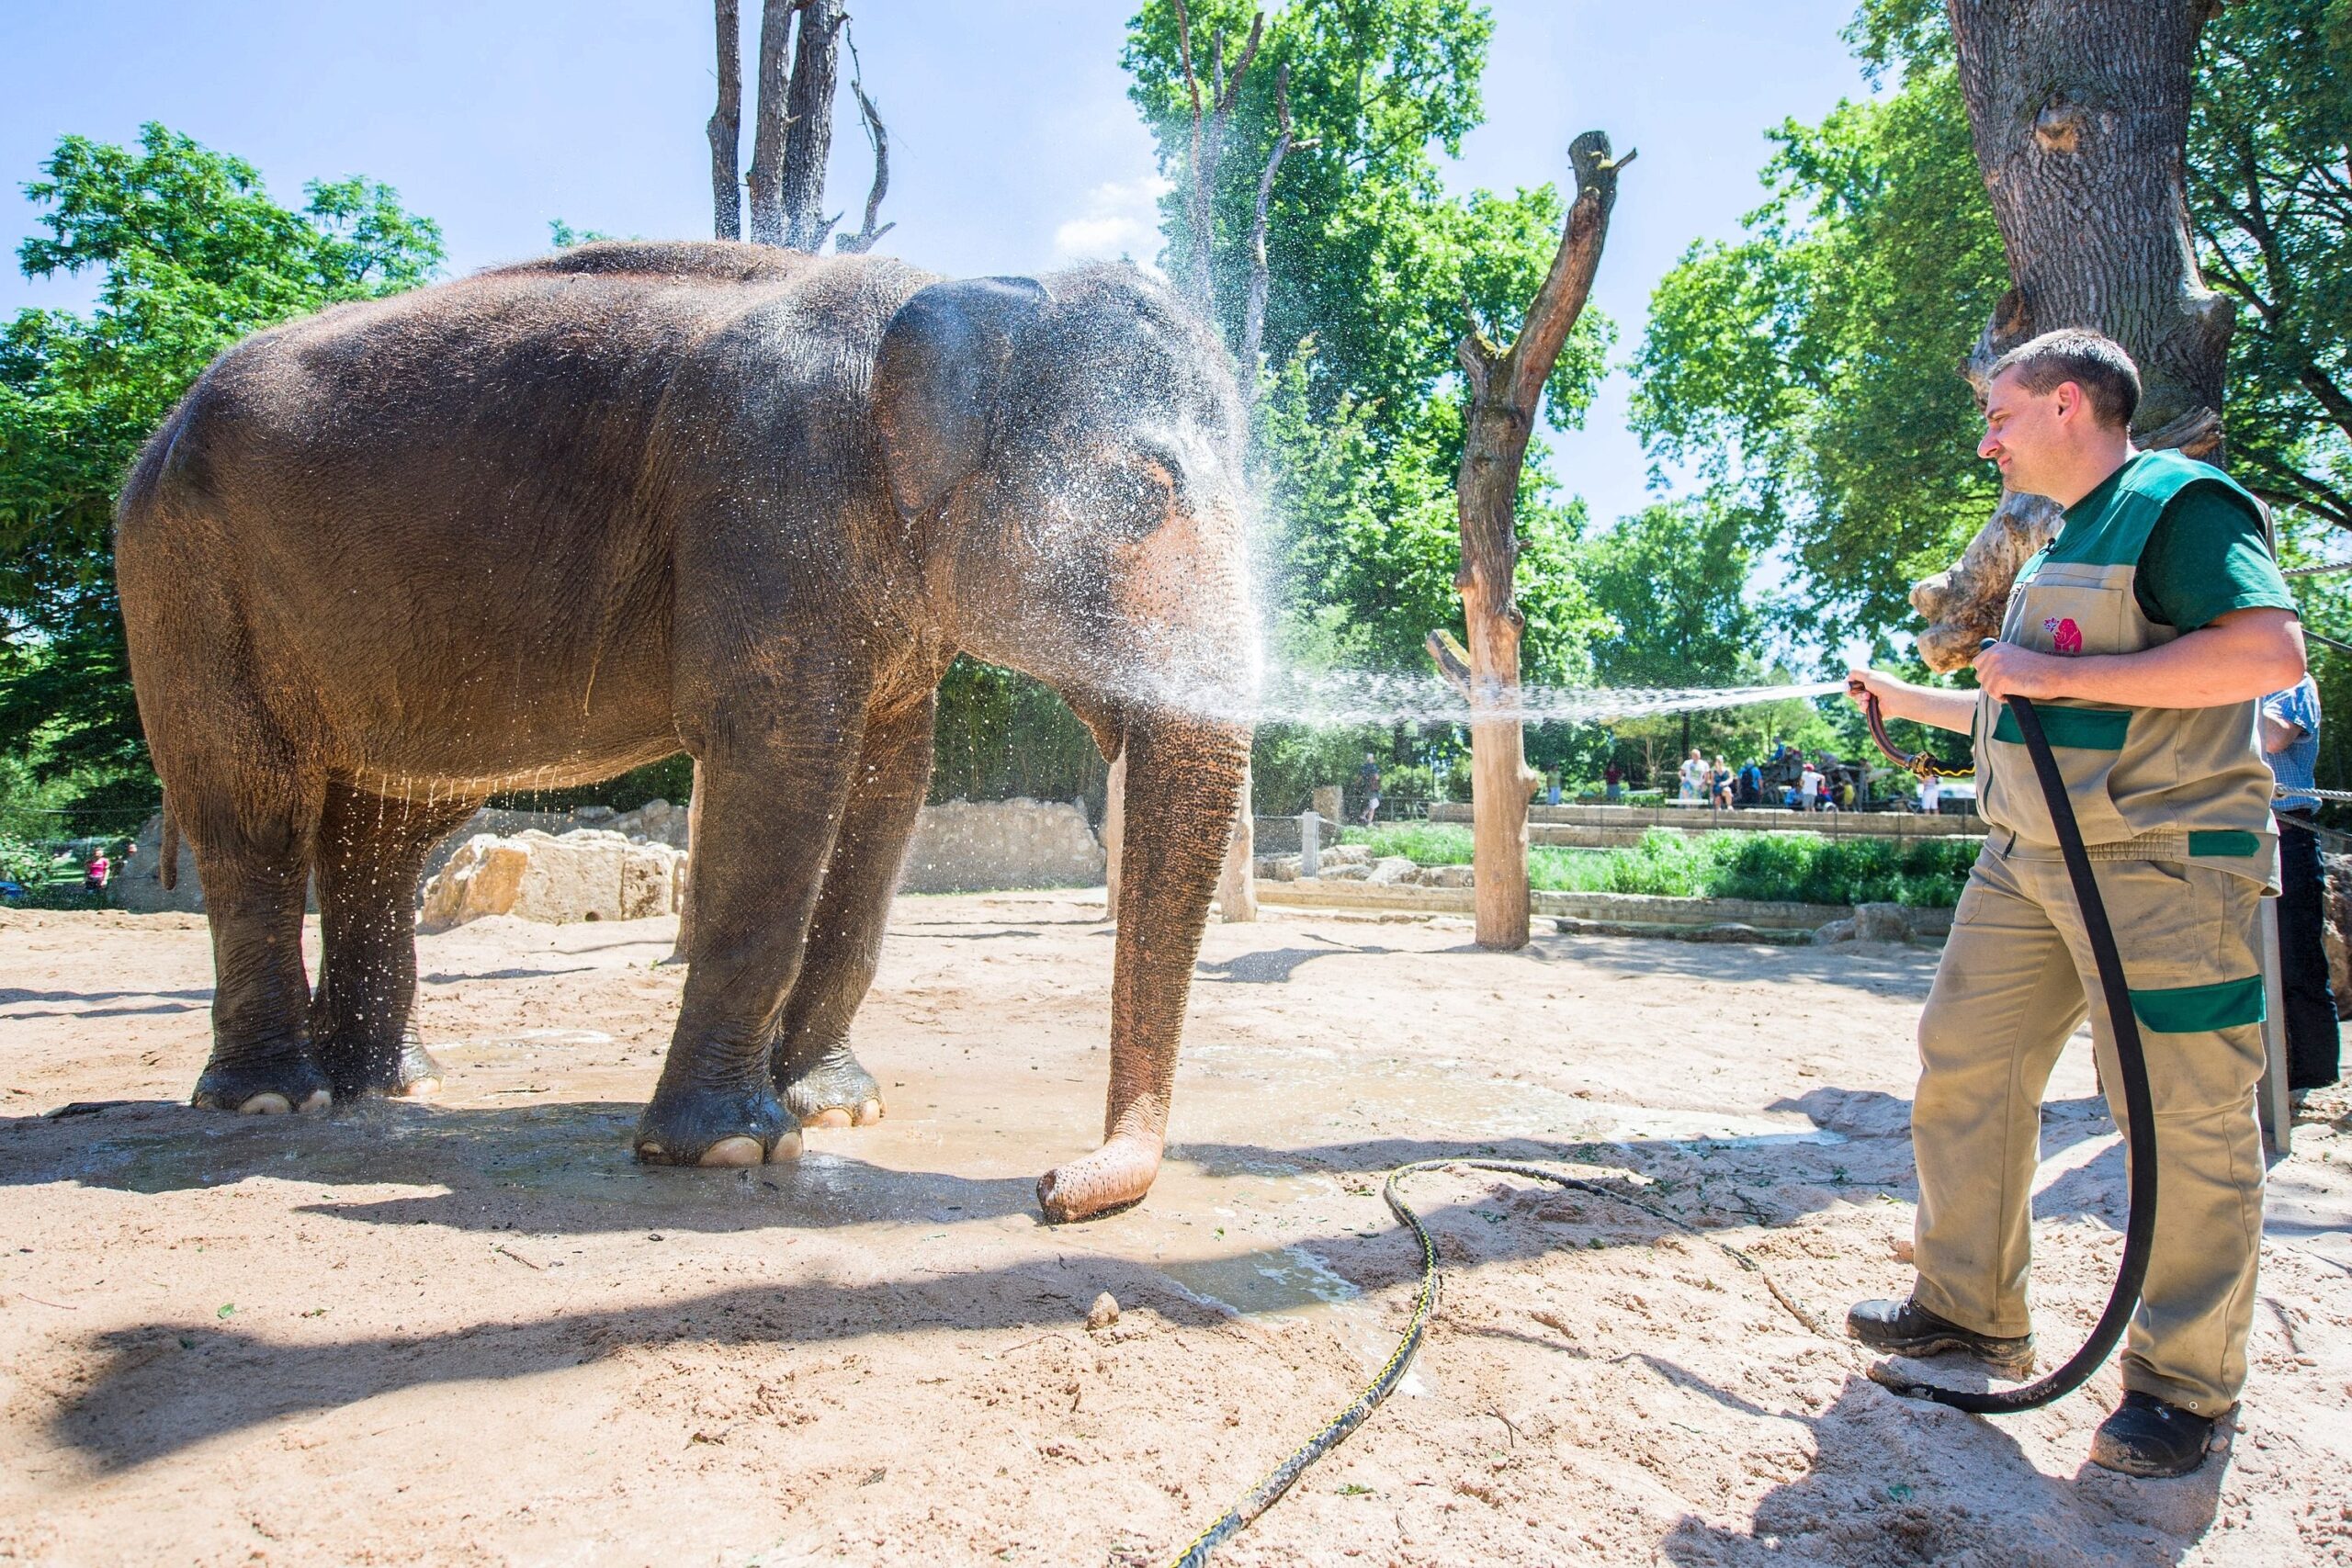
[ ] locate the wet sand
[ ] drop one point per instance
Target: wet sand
(474, 1332)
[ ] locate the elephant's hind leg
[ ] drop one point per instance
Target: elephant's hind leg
(821, 1082)
(251, 834)
(370, 852)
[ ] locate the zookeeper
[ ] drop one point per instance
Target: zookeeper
(2146, 632)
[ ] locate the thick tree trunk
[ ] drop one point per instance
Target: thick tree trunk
(1506, 385)
(770, 121)
(2078, 110)
(726, 126)
(808, 138)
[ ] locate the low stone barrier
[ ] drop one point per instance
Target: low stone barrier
(979, 846)
(1608, 908)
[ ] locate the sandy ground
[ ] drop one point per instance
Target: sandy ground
(474, 1332)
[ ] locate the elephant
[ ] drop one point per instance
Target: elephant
(537, 526)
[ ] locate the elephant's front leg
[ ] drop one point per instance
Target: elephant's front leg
(821, 1082)
(775, 791)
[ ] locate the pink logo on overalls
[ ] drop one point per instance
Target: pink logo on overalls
(2065, 636)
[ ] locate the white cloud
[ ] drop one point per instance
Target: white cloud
(1121, 217)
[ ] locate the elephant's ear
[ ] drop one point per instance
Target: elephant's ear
(939, 379)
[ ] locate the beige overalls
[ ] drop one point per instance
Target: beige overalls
(2175, 809)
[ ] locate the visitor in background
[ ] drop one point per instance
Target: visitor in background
(1368, 784)
(1694, 777)
(1809, 788)
(1612, 783)
(1720, 785)
(1932, 796)
(2291, 739)
(1751, 784)
(94, 874)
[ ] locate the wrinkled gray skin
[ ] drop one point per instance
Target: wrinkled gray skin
(548, 523)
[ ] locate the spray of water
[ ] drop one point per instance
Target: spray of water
(1338, 699)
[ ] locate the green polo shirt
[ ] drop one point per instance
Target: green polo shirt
(2204, 557)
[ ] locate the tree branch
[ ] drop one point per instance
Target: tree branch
(1561, 301)
(879, 136)
(1253, 320)
(726, 126)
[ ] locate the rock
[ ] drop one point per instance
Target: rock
(1103, 1313)
(1346, 872)
(1391, 869)
(1447, 877)
(1275, 868)
(962, 846)
(1346, 854)
(1882, 922)
(1834, 932)
(586, 875)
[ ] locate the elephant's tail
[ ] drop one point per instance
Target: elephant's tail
(168, 872)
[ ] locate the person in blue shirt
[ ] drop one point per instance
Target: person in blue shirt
(2290, 724)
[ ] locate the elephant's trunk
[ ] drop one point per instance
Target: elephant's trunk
(1183, 784)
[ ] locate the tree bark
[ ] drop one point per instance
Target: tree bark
(726, 126)
(877, 134)
(1506, 385)
(808, 132)
(770, 120)
(2078, 112)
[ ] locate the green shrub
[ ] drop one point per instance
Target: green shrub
(1804, 868)
(21, 861)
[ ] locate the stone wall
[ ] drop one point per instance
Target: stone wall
(588, 875)
(958, 847)
(965, 846)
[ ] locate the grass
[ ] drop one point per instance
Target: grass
(1801, 867)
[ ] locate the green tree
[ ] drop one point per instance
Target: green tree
(1807, 373)
(1372, 265)
(192, 255)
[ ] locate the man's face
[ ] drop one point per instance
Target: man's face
(2024, 430)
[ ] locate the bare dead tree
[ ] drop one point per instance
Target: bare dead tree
(770, 120)
(1506, 387)
(878, 137)
(726, 126)
(1210, 118)
(1253, 315)
(2079, 116)
(809, 134)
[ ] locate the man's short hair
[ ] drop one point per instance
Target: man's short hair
(2093, 361)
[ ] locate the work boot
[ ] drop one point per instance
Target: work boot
(2146, 1437)
(1906, 1328)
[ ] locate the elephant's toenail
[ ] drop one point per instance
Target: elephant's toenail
(831, 1116)
(269, 1104)
(737, 1150)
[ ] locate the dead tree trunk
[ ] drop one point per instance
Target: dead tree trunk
(808, 131)
(878, 136)
(1506, 385)
(2078, 110)
(726, 126)
(770, 121)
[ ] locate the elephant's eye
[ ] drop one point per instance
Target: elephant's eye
(1143, 494)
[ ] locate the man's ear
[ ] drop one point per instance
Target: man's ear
(938, 380)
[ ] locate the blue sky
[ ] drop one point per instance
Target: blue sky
(1013, 146)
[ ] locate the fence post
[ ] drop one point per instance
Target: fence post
(1310, 846)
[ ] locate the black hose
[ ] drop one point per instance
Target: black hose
(2140, 1137)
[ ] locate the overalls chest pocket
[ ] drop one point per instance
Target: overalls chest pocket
(2054, 615)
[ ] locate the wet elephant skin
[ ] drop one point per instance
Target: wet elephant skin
(542, 524)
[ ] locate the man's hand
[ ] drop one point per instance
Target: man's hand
(2005, 670)
(2240, 657)
(1898, 698)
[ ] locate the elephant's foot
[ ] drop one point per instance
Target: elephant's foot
(833, 1091)
(398, 1070)
(712, 1128)
(1112, 1178)
(271, 1086)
